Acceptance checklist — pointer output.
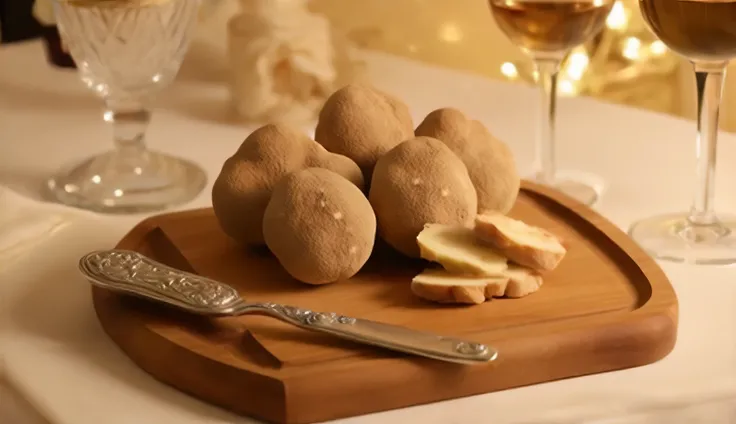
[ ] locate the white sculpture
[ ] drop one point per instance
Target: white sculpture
(284, 61)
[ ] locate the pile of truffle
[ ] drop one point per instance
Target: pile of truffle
(318, 204)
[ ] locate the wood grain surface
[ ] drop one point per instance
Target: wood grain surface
(607, 306)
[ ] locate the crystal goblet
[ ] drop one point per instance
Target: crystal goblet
(126, 51)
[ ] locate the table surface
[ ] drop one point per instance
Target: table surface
(58, 359)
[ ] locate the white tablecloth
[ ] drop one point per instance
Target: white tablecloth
(58, 360)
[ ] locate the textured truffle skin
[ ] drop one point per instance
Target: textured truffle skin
(420, 181)
(243, 187)
(319, 226)
(489, 161)
(362, 123)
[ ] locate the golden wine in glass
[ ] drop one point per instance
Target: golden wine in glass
(704, 32)
(547, 30)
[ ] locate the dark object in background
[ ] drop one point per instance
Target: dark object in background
(54, 51)
(17, 21)
(18, 24)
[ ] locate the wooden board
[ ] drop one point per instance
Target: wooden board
(607, 306)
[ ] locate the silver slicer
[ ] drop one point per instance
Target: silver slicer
(132, 273)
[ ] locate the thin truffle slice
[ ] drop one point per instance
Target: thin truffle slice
(438, 285)
(459, 251)
(442, 286)
(521, 243)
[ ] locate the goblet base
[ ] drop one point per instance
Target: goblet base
(581, 191)
(675, 238)
(135, 183)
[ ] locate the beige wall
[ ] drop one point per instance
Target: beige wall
(461, 34)
(458, 34)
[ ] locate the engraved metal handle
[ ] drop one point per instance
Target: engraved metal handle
(133, 273)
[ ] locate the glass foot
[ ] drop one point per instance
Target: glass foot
(581, 191)
(115, 183)
(675, 238)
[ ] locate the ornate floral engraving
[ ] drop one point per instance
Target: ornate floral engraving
(305, 316)
(132, 269)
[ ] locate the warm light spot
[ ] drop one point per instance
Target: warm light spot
(567, 87)
(416, 181)
(509, 70)
(337, 215)
(658, 48)
(445, 192)
(96, 179)
(450, 32)
(617, 19)
(632, 45)
(353, 249)
(576, 64)
(322, 204)
(118, 193)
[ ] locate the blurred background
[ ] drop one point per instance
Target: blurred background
(624, 65)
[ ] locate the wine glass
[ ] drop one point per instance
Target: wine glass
(126, 51)
(703, 32)
(547, 30)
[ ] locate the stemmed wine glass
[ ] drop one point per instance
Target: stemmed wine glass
(126, 51)
(547, 30)
(704, 32)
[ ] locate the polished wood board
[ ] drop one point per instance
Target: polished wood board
(608, 306)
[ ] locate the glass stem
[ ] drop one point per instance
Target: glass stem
(709, 81)
(547, 70)
(129, 120)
